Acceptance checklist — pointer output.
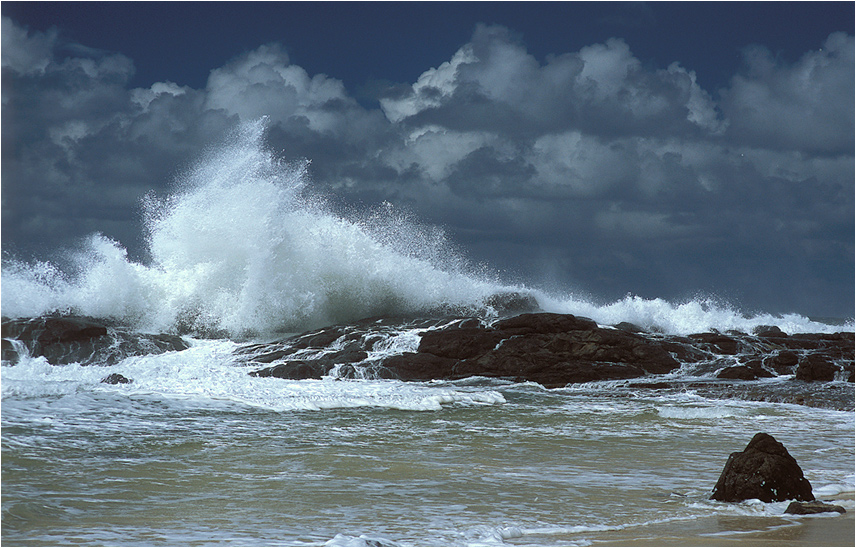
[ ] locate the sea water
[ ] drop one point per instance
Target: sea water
(196, 451)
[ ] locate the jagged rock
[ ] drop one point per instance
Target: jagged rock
(815, 507)
(816, 367)
(764, 470)
(116, 378)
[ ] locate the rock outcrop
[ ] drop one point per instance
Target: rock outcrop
(80, 339)
(551, 349)
(765, 471)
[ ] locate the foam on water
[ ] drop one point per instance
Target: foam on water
(243, 247)
(207, 375)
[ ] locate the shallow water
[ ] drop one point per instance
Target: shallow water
(492, 463)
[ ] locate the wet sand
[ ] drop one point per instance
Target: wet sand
(817, 530)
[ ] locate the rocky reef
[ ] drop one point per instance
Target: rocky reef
(551, 349)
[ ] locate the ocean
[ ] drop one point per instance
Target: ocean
(196, 451)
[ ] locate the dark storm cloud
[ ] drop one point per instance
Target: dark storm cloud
(589, 168)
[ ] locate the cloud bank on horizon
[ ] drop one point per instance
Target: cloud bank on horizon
(588, 170)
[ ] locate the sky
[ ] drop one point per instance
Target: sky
(667, 150)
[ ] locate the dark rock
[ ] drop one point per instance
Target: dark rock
(544, 323)
(748, 372)
(295, 370)
(683, 350)
(80, 339)
(42, 332)
(765, 471)
(816, 367)
(461, 343)
(9, 353)
(768, 331)
(545, 368)
(815, 507)
(412, 366)
(116, 378)
(273, 355)
(347, 355)
(629, 327)
(783, 362)
(550, 349)
(506, 304)
(716, 343)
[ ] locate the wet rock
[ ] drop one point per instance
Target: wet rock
(768, 331)
(629, 327)
(80, 339)
(716, 343)
(295, 370)
(544, 323)
(48, 331)
(783, 361)
(816, 367)
(550, 349)
(764, 470)
(750, 371)
(116, 378)
(412, 366)
(815, 507)
(459, 343)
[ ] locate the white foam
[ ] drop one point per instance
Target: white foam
(692, 316)
(207, 374)
(361, 540)
(696, 413)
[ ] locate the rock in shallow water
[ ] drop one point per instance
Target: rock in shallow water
(765, 471)
(815, 507)
(116, 378)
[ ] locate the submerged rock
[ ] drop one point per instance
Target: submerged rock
(116, 378)
(765, 471)
(815, 507)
